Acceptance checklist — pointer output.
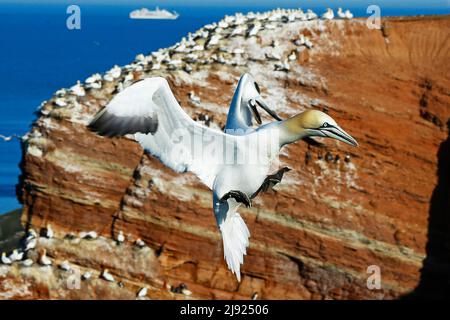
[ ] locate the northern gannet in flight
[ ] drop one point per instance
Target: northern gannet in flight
(234, 166)
(9, 138)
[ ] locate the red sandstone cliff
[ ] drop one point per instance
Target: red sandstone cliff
(311, 239)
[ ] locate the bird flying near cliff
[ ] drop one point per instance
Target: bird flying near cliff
(234, 164)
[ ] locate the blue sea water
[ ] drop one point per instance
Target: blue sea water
(39, 55)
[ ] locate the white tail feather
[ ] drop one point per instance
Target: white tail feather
(235, 236)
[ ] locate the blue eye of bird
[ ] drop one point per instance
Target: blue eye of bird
(325, 124)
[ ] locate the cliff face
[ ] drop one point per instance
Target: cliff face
(313, 238)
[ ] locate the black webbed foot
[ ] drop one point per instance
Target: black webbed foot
(271, 181)
(239, 196)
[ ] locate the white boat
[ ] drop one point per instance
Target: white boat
(144, 13)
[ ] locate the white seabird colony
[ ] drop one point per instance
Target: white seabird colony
(208, 45)
(344, 15)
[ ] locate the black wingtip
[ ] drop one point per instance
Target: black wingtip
(110, 125)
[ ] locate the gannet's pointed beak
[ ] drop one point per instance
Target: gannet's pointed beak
(263, 105)
(338, 133)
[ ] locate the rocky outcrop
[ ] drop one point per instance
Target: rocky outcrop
(338, 212)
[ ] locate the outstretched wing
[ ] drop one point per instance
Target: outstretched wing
(149, 109)
(130, 111)
(244, 106)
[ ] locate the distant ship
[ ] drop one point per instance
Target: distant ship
(144, 13)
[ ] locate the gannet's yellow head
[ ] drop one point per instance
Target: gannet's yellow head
(317, 123)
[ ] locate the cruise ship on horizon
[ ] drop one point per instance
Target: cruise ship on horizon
(144, 13)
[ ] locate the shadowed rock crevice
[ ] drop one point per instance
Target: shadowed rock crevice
(435, 274)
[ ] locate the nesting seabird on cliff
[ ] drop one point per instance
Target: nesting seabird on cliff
(328, 15)
(348, 14)
(5, 259)
(44, 260)
(16, 255)
(232, 165)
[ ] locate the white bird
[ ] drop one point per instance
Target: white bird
(94, 78)
(107, 276)
(194, 98)
(149, 110)
(254, 29)
(310, 15)
(340, 13)
(65, 265)
(328, 15)
(198, 47)
(31, 234)
(6, 138)
(27, 262)
(282, 66)
(186, 292)
(44, 260)
(120, 237)
(348, 14)
(87, 275)
(30, 244)
(273, 56)
(239, 31)
(142, 292)
(308, 43)
(223, 24)
(292, 56)
(89, 235)
(60, 102)
(78, 89)
(139, 243)
(108, 77)
(214, 40)
(16, 255)
(5, 259)
(115, 72)
(48, 232)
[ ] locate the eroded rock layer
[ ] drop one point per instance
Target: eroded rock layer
(338, 212)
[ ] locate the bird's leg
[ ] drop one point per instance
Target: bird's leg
(239, 196)
(271, 180)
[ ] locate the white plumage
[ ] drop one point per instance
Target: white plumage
(16, 255)
(107, 276)
(340, 13)
(27, 262)
(120, 237)
(5, 259)
(65, 265)
(328, 15)
(234, 164)
(142, 292)
(44, 260)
